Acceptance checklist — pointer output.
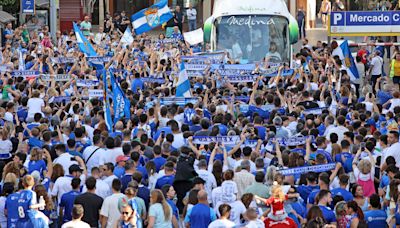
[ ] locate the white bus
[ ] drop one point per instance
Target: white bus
(252, 29)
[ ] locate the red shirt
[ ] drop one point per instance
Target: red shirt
(287, 223)
(276, 204)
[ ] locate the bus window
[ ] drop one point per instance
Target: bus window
(249, 38)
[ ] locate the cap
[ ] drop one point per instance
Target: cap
(75, 168)
(198, 180)
(121, 158)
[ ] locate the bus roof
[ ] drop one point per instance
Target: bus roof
(249, 7)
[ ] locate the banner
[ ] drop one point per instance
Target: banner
(121, 104)
(87, 83)
(25, 73)
(93, 93)
(244, 108)
(306, 169)
(233, 69)
(284, 73)
(168, 41)
(181, 101)
(60, 99)
(28, 6)
(99, 60)
(57, 77)
(226, 140)
(240, 78)
(238, 98)
(153, 80)
(194, 37)
(216, 57)
(59, 60)
(197, 67)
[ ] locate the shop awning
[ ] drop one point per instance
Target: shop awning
(6, 17)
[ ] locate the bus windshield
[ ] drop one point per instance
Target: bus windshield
(249, 38)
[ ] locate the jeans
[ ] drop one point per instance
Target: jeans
(192, 25)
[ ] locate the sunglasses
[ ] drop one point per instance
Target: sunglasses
(125, 213)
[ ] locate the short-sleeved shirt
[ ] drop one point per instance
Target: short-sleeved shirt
(376, 218)
(86, 27)
(67, 201)
(156, 211)
(91, 204)
(328, 214)
(347, 196)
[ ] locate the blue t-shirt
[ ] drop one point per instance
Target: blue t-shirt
(254, 109)
(125, 181)
(12, 209)
(326, 154)
(119, 171)
(159, 162)
(328, 214)
(67, 201)
(165, 180)
(39, 166)
(200, 216)
(261, 130)
(143, 170)
(26, 199)
(347, 196)
(385, 181)
(311, 197)
(347, 163)
(376, 218)
(34, 142)
(383, 96)
(137, 84)
(305, 190)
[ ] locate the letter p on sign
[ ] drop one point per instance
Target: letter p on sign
(337, 17)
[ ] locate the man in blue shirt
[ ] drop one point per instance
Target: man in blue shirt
(305, 190)
(321, 146)
(375, 217)
(169, 176)
(137, 84)
(11, 209)
(67, 200)
(200, 215)
(323, 182)
(325, 199)
(341, 191)
(158, 160)
(127, 177)
(345, 158)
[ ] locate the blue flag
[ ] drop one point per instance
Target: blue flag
(107, 111)
(349, 60)
(149, 18)
(84, 45)
(183, 85)
(121, 104)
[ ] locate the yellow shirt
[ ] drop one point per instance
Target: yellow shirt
(397, 68)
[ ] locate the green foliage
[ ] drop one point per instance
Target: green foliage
(7, 2)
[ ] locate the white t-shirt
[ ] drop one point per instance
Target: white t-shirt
(255, 224)
(393, 151)
(211, 183)
(102, 189)
(191, 14)
(179, 141)
(110, 209)
(109, 180)
(238, 208)
(110, 155)
(63, 185)
(229, 191)
(94, 160)
(35, 105)
(75, 224)
(221, 223)
(364, 177)
(216, 195)
(5, 148)
(65, 160)
(376, 63)
(394, 103)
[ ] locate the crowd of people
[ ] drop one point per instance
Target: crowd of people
(62, 167)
